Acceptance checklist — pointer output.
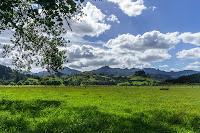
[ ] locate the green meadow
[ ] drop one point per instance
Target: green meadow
(99, 109)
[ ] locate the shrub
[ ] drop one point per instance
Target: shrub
(31, 81)
(12, 83)
(20, 82)
(51, 81)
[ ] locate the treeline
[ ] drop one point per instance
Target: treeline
(88, 78)
(191, 79)
(84, 79)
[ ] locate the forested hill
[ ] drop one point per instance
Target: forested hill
(152, 72)
(6, 73)
(195, 78)
(117, 72)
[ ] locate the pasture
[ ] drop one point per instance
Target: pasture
(99, 109)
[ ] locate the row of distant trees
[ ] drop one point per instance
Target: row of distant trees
(34, 81)
(55, 81)
(82, 80)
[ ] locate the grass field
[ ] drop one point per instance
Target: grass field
(99, 109)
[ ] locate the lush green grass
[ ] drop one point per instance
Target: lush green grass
(99, 109)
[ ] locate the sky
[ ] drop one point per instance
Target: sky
(162, 34)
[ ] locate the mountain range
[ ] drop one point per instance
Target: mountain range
(7, 73)
(106, 70)
(65, 71)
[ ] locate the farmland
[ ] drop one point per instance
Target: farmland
(99, 109)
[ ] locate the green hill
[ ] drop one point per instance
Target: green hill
(89, 79)
(100, 79)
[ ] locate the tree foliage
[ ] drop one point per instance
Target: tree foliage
(38, 27)
(140, 73)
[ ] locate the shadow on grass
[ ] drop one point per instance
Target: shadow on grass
(31, 108)
(90, 119)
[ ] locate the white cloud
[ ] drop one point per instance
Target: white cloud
(164, 66)
(189, 54)
(124, 51)
(129, 7)
(6, 61)
(92, 23)
(149, 40)
(191, 38)
(153, 8)
(193, 66)
(154, 55)
(113, 18)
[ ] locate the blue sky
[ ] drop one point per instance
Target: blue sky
(163, 34)
(168, 16)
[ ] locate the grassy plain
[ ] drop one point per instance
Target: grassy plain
(99, 109)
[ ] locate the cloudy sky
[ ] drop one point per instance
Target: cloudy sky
(163, 34)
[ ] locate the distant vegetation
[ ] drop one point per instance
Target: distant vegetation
(84, 79)
(102, 76)
(191, 79)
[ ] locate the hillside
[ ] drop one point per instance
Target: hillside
(105, 76)
(106, 70)
(6, 73)
(152, 72)
(88, 78)
(195, 78)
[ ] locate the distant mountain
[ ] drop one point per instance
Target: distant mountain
(8, 74)
(154, 73)
(106, 70)
(194, 78)
(69, 71)
(116, 72)
(183, 73)
(41, 74)
(5, 72)
(65, 71)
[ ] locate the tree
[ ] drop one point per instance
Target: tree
(51, 81)
(37, 26)
(31, 81)
(140, 73)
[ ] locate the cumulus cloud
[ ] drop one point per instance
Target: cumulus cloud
(124, 51)
(76, 52)
(191, 38)
(164, 67)
(113, 18)
(149, 40)
(189, 54)
(129, 7)
(6, 61)
(92, 23)
(193, 66)
(155, 55)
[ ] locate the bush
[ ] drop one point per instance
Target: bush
(54, 82)
(31, 81)
(12, 83)
(20, 83)
(51, 81)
